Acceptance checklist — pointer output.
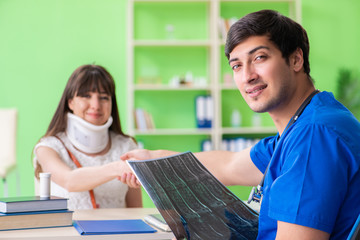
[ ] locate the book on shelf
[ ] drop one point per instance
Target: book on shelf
(206, 145)
(40, 219)
(192, 201)
(101, 227)
(31, 204)
(143, 119)
(204, 108)
(237, 144)
(209, 111)
(224, 26)
(157, 221)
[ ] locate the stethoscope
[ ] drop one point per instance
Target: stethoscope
(256, 193)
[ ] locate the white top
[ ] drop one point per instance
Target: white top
(108, 195)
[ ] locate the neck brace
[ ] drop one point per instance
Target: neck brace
(85, 136)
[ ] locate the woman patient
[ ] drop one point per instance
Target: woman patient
(83, 144)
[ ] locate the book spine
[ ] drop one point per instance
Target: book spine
(78, 228)
(209, 111)
(204, 111)
(200, 111)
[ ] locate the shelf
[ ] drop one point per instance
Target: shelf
(150, 87)
(171, 43)
(250, 130)
(208, 131)
(171, 38)
(148, 1)
(178, 131)
(269, 1)
(175, 1)
(229, 87)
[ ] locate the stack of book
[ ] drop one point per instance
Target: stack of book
(34, 212)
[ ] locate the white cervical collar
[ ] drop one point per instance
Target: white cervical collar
(85, 136)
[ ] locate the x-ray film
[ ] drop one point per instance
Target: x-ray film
(192, 201)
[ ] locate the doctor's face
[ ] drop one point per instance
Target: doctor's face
(262, 75)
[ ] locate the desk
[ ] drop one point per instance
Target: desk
(70, 233)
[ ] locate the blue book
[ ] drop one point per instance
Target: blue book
(200, 107)
(102, 227)
(204, 111)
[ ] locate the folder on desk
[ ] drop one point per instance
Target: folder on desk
(103, 227)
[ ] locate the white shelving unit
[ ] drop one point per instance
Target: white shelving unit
(215, 87)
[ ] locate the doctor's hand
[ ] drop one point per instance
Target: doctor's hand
(144, 154)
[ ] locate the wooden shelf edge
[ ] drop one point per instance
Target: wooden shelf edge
(179, 131)
(249, 130)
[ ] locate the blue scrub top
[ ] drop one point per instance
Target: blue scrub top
(313, 178)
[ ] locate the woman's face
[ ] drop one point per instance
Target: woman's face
(93, 107)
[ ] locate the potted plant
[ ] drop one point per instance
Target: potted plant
(348, 90)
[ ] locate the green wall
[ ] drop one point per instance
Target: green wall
(43, 41)
(334, 34)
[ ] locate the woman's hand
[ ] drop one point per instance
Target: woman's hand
(128, 177)
(125, 174)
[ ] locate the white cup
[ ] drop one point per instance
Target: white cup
(45, 185)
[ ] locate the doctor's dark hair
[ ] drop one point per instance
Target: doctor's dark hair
(285, 33)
